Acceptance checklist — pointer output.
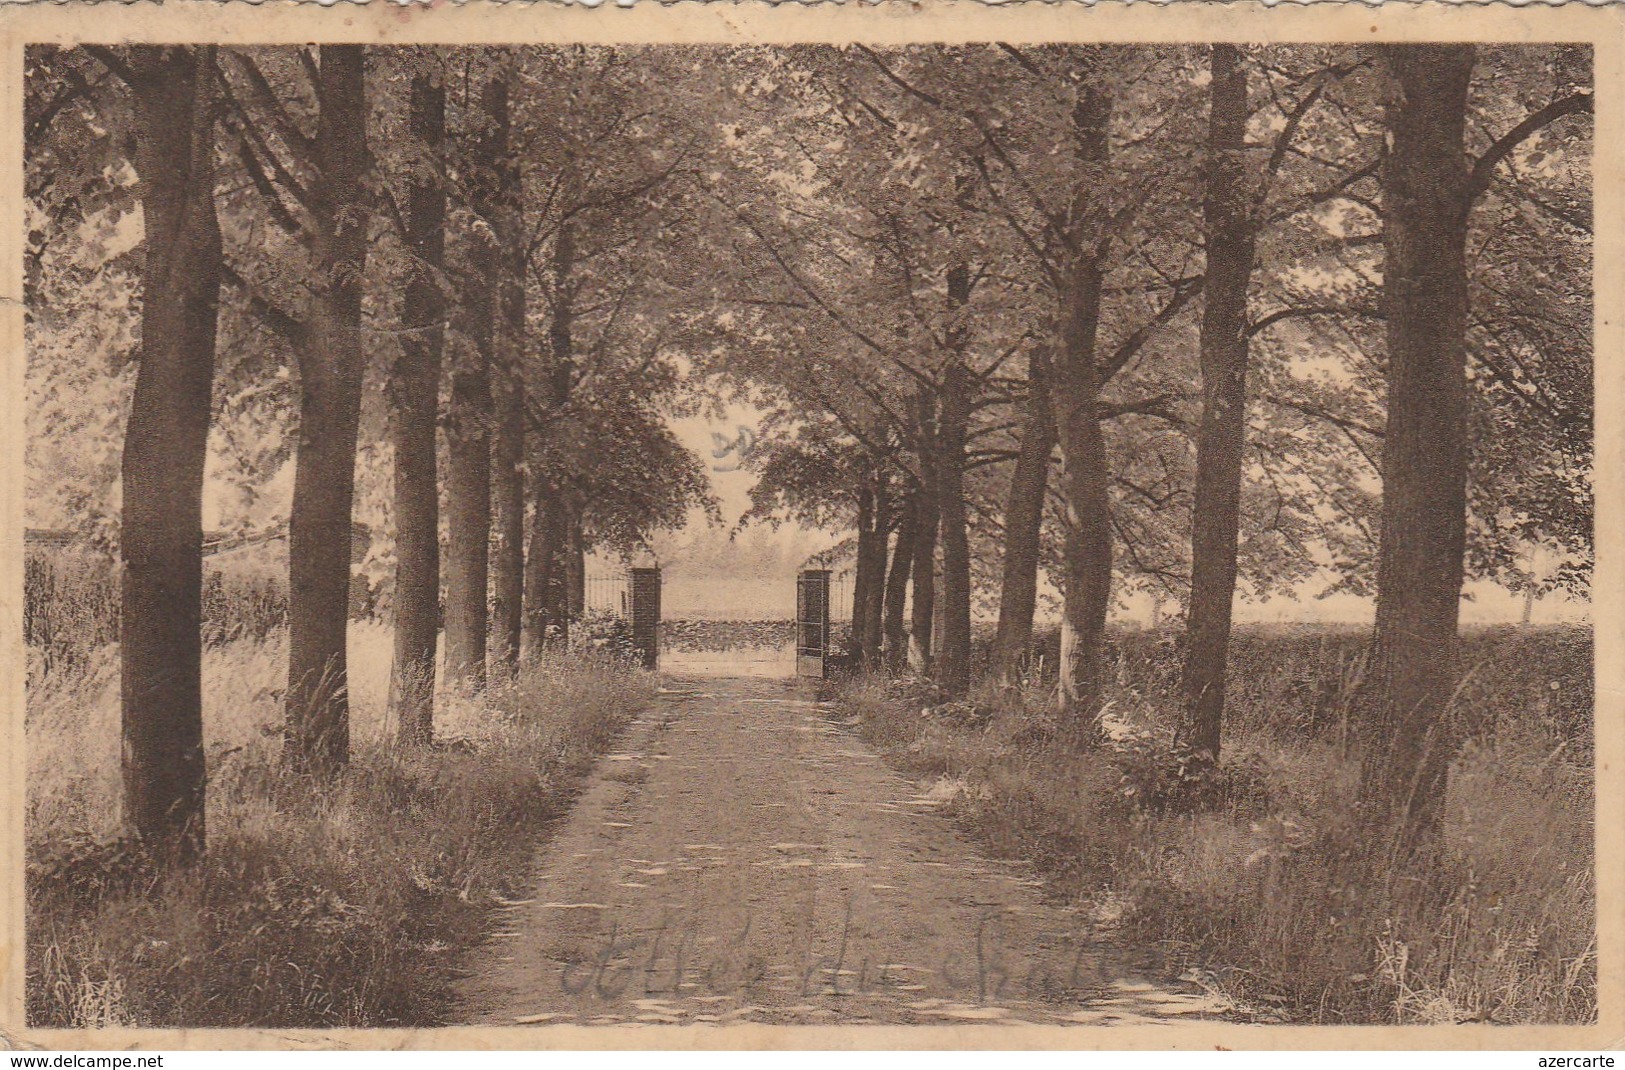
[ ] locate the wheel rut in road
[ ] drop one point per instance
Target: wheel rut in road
(745, 857)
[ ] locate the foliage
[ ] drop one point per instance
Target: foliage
(711, 636)
(1303, 679)
(71, 606)
(785, 234)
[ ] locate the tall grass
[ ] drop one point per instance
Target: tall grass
(317, 905)
(1267, 890)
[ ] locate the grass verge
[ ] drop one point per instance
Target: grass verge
(1267, 893)
(342, 905)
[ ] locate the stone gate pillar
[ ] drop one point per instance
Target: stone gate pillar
(643, 587)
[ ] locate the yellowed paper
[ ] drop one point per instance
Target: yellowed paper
(944, 1023)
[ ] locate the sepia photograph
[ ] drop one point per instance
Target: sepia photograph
(741, 533)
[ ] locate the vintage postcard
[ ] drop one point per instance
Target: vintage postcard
(745, 526)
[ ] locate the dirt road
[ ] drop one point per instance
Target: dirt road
(745, 857)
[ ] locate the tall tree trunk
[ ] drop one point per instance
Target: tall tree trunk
(923, 608)
(863, 577)
(1425, 204)
(542, 566)
(507, 522)
(165, 447)
(894, 633)
(576, 564)
(953, 660)
(567, 580)
(508, 437)
(415, 397)
(1086, 551)
(549, 591)
(468, 426)
(1221, 439)
(874, 603)
(1023, 523)
(1087, 542)
(320, 531)
(507, 516)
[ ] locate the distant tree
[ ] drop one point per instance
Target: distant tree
(501, 202)
(470, 417)
(1023, 522)
(894, 635)
(415, 397)
(330, 366)
(608, 179)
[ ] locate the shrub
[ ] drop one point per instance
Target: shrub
(70, 608)
(71, 601)
(603, 632)
(710, 636)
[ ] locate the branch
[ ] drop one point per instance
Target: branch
(1478, 181)
(1045, 263)
(74, 87)
(1157, 406)
(248, 131)
(1337, 189)
(880, 403)
(983, 458)
(280, 214)
(613, 197)
(114, 63)
(1294, 119)
(1156, 501)
(817, 299)
(1020, 57)
(266, 99)
(878, 450)
(274, 316)
(1184, 290)
(1322, 414)
(1260, 326)
(935, 102)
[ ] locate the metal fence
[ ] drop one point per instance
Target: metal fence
(840, 597)
(606, 593)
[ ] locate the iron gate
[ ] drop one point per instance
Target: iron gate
(644, 614)
(632, 596)
(812, 622)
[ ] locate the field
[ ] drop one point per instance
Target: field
(1255, 883)
(341, 906)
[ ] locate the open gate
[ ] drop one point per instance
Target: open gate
(812, 622)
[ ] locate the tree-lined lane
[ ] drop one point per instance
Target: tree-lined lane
(744, 857)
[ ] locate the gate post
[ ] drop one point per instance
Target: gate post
(643, 587)
(812, 622)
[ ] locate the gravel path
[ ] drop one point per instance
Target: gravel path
(745, 857)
